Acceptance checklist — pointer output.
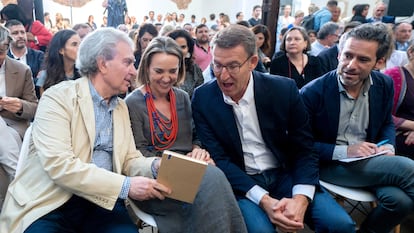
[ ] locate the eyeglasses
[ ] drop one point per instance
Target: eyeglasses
(232, 69)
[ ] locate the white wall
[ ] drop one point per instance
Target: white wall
(139, 8)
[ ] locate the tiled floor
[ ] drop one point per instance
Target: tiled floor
(406, 227)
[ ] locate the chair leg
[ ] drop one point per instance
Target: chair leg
(397, 228)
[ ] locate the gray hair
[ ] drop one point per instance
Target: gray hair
(235, 35)
(327, 29)
(379, 33)
(100, 43)
(4, 35)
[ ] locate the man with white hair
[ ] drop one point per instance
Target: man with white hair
(378, 14)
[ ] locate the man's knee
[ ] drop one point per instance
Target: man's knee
(255, 218)
(394, 199)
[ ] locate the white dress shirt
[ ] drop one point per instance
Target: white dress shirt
(257, 156)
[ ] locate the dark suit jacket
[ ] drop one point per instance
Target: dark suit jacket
(283, 123)
(385, 19)
(321, 98)
(328, 59)
(34, 60)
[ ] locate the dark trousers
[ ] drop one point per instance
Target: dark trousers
(81, 216)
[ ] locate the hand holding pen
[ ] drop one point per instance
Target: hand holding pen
(364, 149)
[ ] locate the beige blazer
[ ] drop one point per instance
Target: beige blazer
(59, 161)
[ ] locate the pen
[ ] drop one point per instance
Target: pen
(383, 142)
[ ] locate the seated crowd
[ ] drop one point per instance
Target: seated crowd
(104, 103)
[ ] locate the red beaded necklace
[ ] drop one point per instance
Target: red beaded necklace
(163, 139)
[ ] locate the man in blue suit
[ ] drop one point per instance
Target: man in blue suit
(256, 128)
(350, 114)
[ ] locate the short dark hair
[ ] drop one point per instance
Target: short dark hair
(13, 11)
(244, 23)
(374, 32)
(12, 22)
(200, 26)
(256, 6)
(332, 3)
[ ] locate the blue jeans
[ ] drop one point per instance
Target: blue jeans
(324, 214)
(391, 178)
(79, 215)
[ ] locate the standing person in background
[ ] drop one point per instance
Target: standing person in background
(48, 21)
(193, 21)
(286, 18)
(299, 15)
(202, 53)
(104, 21)
(159, 19)
(256, 13)
(324, 15)
(91, 22)
(239, 16)
(117, 9)
(295, 63)
(336, 15)
(193, 74)
(59, 24)
(212, 22)
(37, 34)
(151, 17)
(60, 59)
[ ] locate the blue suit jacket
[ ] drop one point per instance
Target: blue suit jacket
(283, 123)
(328, 59)
(321, 98)
(34, 60)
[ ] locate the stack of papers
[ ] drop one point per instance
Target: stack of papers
(353, 159)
